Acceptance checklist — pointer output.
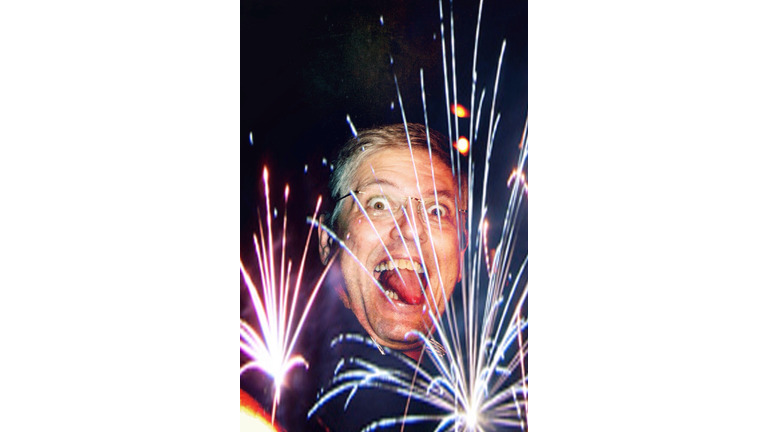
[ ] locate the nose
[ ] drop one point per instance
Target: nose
(411, 227)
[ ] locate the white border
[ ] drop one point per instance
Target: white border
(119, 174)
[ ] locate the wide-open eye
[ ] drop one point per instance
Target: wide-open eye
(436, 210)
(378, 203)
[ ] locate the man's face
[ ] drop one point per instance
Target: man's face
(378, 233)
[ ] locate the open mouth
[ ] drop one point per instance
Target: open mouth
(405, 287)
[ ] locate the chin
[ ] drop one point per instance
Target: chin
(402, 339)
(403, 346)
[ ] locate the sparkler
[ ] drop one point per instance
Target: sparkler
(481, 381)
(271, 347)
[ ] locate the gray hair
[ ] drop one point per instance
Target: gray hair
(373, 140)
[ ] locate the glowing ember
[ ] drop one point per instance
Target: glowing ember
(459, 111)
(462, 145)
(520, 176)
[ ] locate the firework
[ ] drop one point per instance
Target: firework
(481, 380)
(479, 346)
(271, 347)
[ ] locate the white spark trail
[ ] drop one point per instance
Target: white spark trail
(351, 126)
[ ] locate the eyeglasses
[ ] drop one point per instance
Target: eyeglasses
(381, 206)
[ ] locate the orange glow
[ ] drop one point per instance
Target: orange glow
(459, 111)
(520, 176)
(252, 416)
(462, 145)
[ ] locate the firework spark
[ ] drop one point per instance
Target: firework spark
(459, 110)
(462, 145)
(481, 381)
(271, 347)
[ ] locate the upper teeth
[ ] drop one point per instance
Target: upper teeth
(403, 264)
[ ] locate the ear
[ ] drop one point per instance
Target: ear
(325, 242)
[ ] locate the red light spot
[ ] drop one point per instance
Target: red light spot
(252, 416)
(459, 111)
(462, 145)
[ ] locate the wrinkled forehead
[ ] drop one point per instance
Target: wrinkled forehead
(399, 168)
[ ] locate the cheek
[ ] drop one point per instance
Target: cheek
(363, 237)
(446, 299)
(447, 248)
(359, 248)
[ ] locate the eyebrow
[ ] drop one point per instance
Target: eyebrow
(429, 193)
(376, 182)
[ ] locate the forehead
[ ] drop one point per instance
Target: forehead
(395, 167)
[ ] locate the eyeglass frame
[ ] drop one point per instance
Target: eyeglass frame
(356, 192)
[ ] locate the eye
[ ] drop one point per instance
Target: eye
(378, 203)
(436, 210)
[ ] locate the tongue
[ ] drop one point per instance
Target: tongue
(410, 292)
